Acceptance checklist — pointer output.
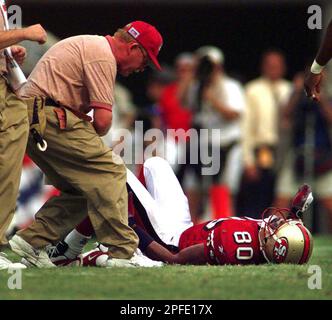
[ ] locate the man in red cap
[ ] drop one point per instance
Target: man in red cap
(148, 37)
(75, 76)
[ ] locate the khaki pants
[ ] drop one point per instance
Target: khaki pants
(92, 181)
(14, 129)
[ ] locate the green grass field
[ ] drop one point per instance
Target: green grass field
(177, 282)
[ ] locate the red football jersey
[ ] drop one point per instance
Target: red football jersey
(226, 240)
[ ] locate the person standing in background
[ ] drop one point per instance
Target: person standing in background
(217, 102)
(174, 112)
(261, 134)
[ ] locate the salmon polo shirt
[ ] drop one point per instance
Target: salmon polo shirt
(78, 73)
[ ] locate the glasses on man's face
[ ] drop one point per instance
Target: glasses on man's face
(145, 57)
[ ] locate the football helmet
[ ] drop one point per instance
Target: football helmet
(301, 201)
(285, 240)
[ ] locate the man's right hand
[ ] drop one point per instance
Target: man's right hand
(36, 33)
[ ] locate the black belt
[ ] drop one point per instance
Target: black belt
(51, 102)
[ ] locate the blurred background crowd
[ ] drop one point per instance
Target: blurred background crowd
(236, 66)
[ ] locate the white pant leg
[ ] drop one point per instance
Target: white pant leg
(145, 198)
(167, 230)
(166, 190)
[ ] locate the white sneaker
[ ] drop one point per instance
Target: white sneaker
(114, 262)
(143, 261)
(7, 264)
(137, 260)
(38, 258)
(111, 262)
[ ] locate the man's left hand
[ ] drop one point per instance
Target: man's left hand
(312, 85)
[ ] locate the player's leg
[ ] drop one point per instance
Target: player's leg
(167, 224)
(73, 244)
(70, 250)
(79, 237)
(163, 202)
(166, 190)
(146, 206)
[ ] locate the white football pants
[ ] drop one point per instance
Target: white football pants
(163, 199)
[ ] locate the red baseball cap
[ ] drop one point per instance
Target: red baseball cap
(148, 37)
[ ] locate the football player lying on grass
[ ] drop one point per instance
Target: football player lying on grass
(159, 214)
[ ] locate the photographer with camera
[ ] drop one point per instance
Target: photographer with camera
(217, 102)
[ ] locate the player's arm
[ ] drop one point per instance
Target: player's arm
(155, 251)
(32, 33)
(190, 255)
(314, 76)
